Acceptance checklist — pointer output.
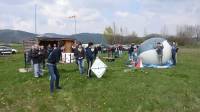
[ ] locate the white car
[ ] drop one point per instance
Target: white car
(4, 50)
(14, 51)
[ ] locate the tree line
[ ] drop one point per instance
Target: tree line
(185, 35)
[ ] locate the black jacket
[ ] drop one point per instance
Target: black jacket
(54, 56)
(130, 50)
(79, 54)
(35, 56)
(89, 54)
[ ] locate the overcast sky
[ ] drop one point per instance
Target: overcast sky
(94, 15)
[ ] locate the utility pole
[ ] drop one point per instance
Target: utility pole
(35, 18)
(73, 17)
(114, 31)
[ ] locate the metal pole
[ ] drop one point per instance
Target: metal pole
(35, 18)
(75, 23)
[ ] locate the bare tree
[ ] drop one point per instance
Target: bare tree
(164, 31)
(197, 32)
(186, 31)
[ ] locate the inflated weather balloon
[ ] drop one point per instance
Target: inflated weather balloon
(148, 54)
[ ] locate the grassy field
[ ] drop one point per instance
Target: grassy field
(160, 90)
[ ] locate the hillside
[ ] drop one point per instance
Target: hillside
(16, 36)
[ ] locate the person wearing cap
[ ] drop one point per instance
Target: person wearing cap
(79, 53)
(90, 57)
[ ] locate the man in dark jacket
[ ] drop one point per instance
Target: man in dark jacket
(174, 52)
(43, 54)
(49, 50)
(79, 53)
(130, 52)
(159, 50)
(90, 57)
(53, 59)
(95, 52)
(35, 56)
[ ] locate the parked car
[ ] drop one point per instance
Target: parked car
(14, 51)
(125, 47)
(7, 50)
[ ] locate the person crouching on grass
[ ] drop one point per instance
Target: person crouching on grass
(53, 59)
(90, 57)
(79, 53)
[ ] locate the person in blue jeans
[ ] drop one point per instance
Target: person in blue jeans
(35, 56)
(174, 52)
(79, 54)
(53, 59)
(90, 57)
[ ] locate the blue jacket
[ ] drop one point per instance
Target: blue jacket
(174, 50)
(89, 54)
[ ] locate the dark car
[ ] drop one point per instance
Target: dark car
(5, 50)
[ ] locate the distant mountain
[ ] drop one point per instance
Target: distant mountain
(16, 36)
(89, 37)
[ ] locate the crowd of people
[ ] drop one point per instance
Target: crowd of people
(41, 57)
(115, 51)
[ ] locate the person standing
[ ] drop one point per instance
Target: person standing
(30, 59)
(113, 51)
(95, 52)
(80, 55)
(35, 58)
(116, 51)
(49, 50)
(74, 47)
(134, 54)
(159, 50)
(52, 61)
(174, 53)
(130, 52)
(90, 57)
(42, 56)
(120, 50)
(54, 46)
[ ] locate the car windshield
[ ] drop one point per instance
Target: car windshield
(2, 47)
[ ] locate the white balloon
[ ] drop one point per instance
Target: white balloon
(150, 56)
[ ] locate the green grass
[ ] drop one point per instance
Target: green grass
(160, 90)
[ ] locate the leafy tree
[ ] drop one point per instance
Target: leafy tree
(109, 35)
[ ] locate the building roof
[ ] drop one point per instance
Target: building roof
(51, 37)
